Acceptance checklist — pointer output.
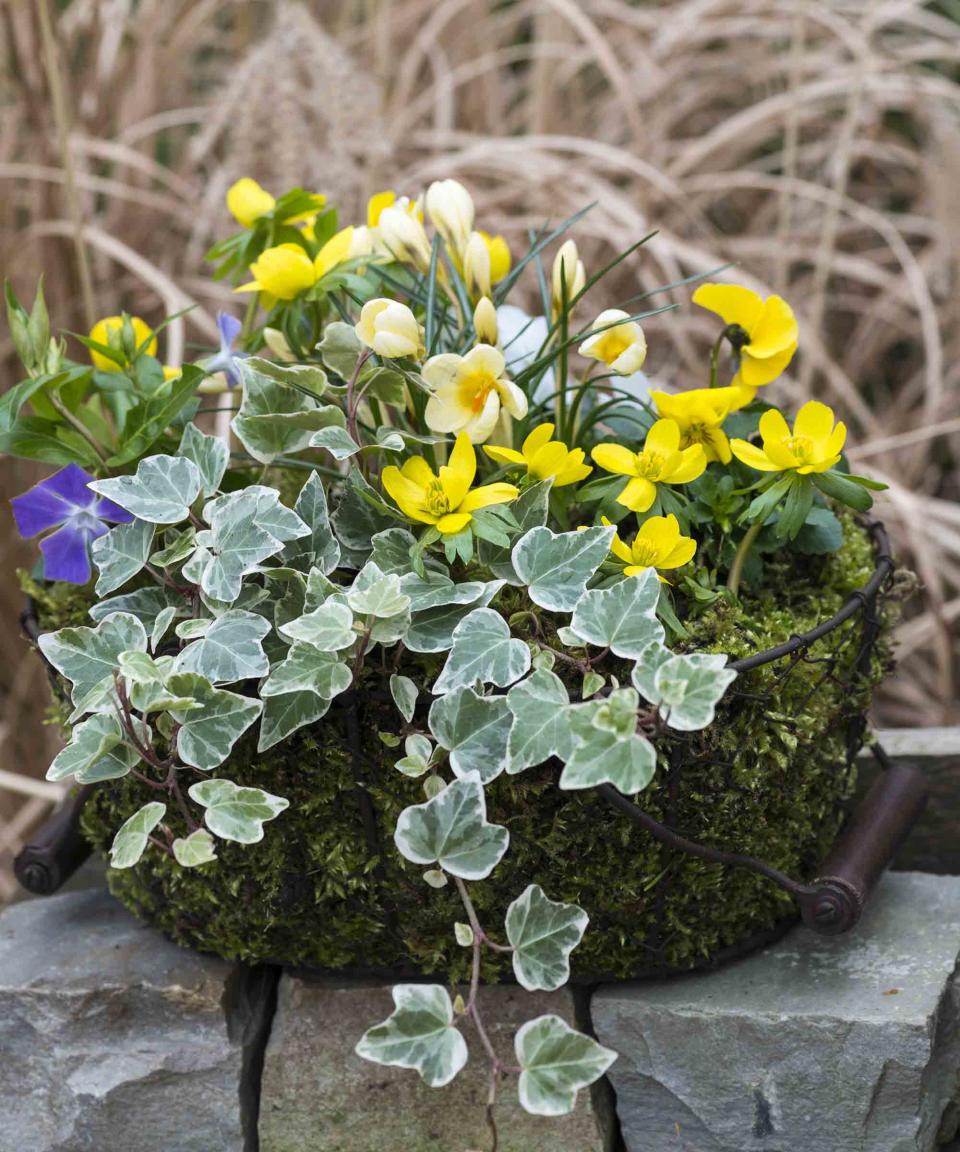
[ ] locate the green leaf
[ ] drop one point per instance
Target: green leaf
(418, 753)
(543, 933)
(276, 419)
(308, 669)
(821, 533)
(452, 831)
(195, 849)
(483, 650)
(360, 515)
(556, 1062)
(96, 750)
(337, 441)
(147, 421)
(210, 454)
(530, 510)
(378, 594)
(231, 649)
(144, 604)
(285, 714)
(33, 438)
(161, 490)
(207, 735)
(305, 377)
(761, 506)
(121, 554)
(235, 813)
(89, 656)
(180, 547)
(843, 489)
(340, 349)
(556, 567)
(686, 688)
(463, 934)
(592, 683)
(622, 617)
(541, 728)
(420, 1033)
(328, 628)
(131, 838)
(606, 748)
(432, 630)
(474, 729)
(318, 548)
(165, 618)
(404, 693)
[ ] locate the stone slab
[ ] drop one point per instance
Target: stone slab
(318, 1096)
(111, 1038)
(844, 1044)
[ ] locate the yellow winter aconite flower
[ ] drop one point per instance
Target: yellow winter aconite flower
(109, 331)
(622, 347)
(660, 461)
(814, 445)
(390, 329)
(567, 269)
(700, 414)
(768, 330)
(247, 201)
(450, 208)
(286, 270)
(658, 543)
(444, 500)
(468, 392)
(544, 457)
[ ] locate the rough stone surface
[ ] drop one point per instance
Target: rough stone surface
(318, 1096)
(112, 1039)
(850, 1044)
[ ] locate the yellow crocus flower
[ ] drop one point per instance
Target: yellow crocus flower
(109, 331)
(404, 237)
(247, 201)
(574, 276)
(543, 457)
(390, 329)
(468, 392)
(500, 258)
(700, 414)
(286, 270)
(814, 445)
(658, 543)
(768, 331)
(660, 461)
(623, 347)
(444, 500)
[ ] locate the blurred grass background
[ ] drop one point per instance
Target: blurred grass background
(814, 144)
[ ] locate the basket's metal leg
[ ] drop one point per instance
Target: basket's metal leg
(56, 850)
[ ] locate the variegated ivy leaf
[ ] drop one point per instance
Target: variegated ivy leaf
(557, 566)
(285, 714)
(432, 630)
(685, 688)
(319, 547)
(196, 849)
(404, 693)
(131, 838)
(308, 669)
(543, 933)
(452, 831)
(437, 590)
(328, 628)
(340, 348)
(276, 419)
(530, 511)
(180, 546)
(207, 734)
(337, 441)
(541, 726)
(622, 617)
(87, 657)
(309, 377)
(377, 593)
(360, 515)
(420, 1033)
(121, 553)
(230, 649)
(194, 628)
(209, 453)
(418, 751)
(269, 514)
(235, 813)
(161, 490)
(161, 624)
(483, 650)
(606, 747)
(556, 1062)
(474, 730)
(391, 550)
(96, 751)
(144, 604)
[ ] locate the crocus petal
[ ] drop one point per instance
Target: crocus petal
(441, 371)
(66, 554)
(733, 303)
(514, 399)
(638, 495)
(615, 458)
(481, 427)
(445, 413)
(486, 359)
(457, 475)
(751, 455)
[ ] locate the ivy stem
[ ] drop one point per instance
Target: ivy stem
(354, 402)
(736, 568)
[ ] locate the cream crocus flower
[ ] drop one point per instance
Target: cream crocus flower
(485, 321)
(476, 267)
(404, 237)
(622, 347)
(468, 392)
(568, 268)
(450, 207)
(390, 329)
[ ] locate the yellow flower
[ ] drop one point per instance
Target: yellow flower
(569, 263)
(109, 331)
(468, 392)
(661, 461)
(500, 259)
(390, 329)
(404, 238)
(445, 500)
(544, 457)
(813, 446)
(700, 414)
(286, 270)
(485, 321)
(657, 544)
(450, 207)
(622, 347)
(768, 336)
(247, 202)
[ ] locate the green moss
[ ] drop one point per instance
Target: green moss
(768, 778)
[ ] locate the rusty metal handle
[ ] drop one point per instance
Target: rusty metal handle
(56, 850)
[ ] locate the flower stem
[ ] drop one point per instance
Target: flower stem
(78, 426)
(715, 357)
(736, 568)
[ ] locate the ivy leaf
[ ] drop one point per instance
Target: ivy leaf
(556, 1062)
(87, 657)
(235, 544)
(319, 548)
(483, 650)
(285, 714)
(328, 628)
(209, 453)
(337, 441)
(161, 490)
(418, 752)
(121, 553)
(686, 688)
(432, 630)
(543, 933)
(340, 348)
(96, 751)
(131, 838)
(452, 831)
(235, 813)
(541, 728)
(391, 550)
(231, 649)
(360, 515)
(376, 593)
(556, 567)
(622, 617)
(196, 849)
(165, 617)
(606, 748)
(309, 378)
(474, 730)
(308, 669)
(404, 693)
(420, 1034)
(530, 510)
(144, 604)
(208, 734)
(276, 419)
(179, 548)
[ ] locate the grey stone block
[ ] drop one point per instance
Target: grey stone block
(845, 1044)
(111, 1038)
(318, 1096)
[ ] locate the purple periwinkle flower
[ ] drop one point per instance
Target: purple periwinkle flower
(226, 360)
(63, 501)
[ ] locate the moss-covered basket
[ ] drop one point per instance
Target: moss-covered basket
(327, 889)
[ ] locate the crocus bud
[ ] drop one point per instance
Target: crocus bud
(390, 329)
(476, 266)
(279, 345)
(485, 321)
(621, 346)
(574, 276)
(405, 238)
(451, 209)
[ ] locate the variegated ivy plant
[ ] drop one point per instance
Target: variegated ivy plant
(380, 361)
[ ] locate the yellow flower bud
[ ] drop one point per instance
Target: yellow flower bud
(109, 331)
(476, 267)
(390, 329)
(567, 269)
(247, 202)
(485, 321)
(404, 237)
(451, 209)
(623, 346)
